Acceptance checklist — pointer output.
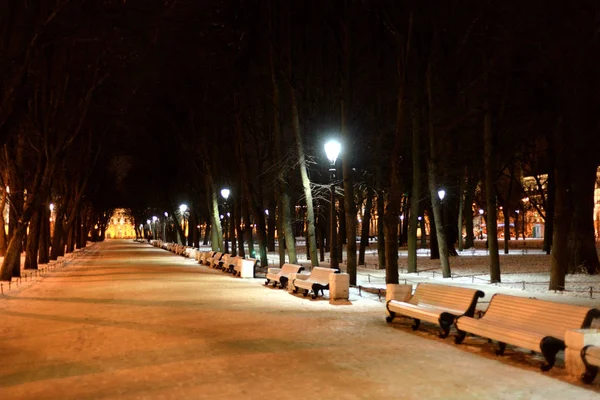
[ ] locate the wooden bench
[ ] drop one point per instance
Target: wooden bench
(214, 260)
(591, 359)
(532, 324)
(438, 304)
(281, 275)
(318, 280)
(230, 264)
(206, 256)
(244, 268)
(224, 262)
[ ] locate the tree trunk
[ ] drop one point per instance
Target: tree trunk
(231, 222)
(436, 205)
(248, 228)
(492, 226)
(582, 246)
(3, 237)
(549, 220)
(434, 249)
(413, 216)
(44, 248)
(238, 228)
(461, 206)
(58, 241)
(213, 209)
(271, 207)
(366, 221)
(31, 251)
(310, 214)
(562, 220)
(468, 213)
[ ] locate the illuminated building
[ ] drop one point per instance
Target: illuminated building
(120, 225)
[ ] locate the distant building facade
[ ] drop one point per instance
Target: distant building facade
(120, 225)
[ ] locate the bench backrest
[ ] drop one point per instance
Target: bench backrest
(226, 259)
(321, 275)
(546, 317)
(216, 257)
(452, 297)
(288, 269)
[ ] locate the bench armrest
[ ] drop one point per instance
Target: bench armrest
(274, 270)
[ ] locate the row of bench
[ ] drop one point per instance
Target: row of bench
(536, 325)
(529, 323)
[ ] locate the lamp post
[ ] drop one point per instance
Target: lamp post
(225, 193)
(51, 221)
(332, 150)
(441, 195)
(165, 227)
(149, 228)
(154, 220)
(182, 209)
(481, 223)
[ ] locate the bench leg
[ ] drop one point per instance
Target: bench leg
(446, 320)
(550, 346)
(390, 317)
(501, 348)
(267, 282)
(589, 375)
(460, 336)
(590, 370)
(416, 323)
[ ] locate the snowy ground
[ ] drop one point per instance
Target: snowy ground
(524, 270)
(130, 321)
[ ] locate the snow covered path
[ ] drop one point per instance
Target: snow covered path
(129, 321)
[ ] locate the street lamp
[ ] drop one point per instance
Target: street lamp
(154, 219)
(149, 227)
(225, 193)
(441, 194)
(165, 227)
(332, 150)
(481, 223)
(182, 209)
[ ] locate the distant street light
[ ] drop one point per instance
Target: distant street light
(332, 151)
(165, 227)
(154, 219)
(182, 209)
(441, 194)
(225, 193)
(481, 223)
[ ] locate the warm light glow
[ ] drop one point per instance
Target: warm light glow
(225, 193)
(7, 189)
(524, 198)
(183, 208)
(441, 194)
(96, 226)
(51, 207)
(332, 150)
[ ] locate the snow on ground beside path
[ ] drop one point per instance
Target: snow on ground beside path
(526, 267)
